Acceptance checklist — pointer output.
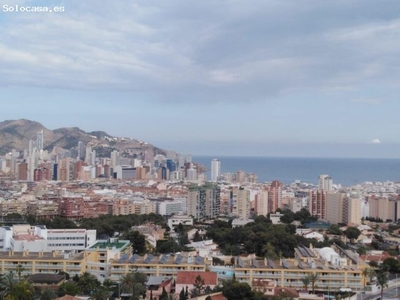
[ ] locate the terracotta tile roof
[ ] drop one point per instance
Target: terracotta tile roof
(46, 278)
(218, 297)
(289, 292)
(189, 277)
(68, 297)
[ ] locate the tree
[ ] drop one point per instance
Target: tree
(197, 237)
(234, 290)
(269, 251)
(352, 233)
(198, 286)
(137, 239)
(335, 229)
(182, 295)
(306, 282)
(19, 269)
(7, 284)
(100, 293)
(164, 294)
(68, 288)
(382, 281)
(134, 283)
(88, 283)
(365, 273)
(314, 277)
(23, 290)
(48, 294)
(391, 264)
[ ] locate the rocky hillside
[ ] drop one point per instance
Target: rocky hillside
(15, 134)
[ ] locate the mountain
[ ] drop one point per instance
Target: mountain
(15, 134)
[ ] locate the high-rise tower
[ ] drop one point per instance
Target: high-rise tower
(39, 140)
(325, 183)
(215, 170)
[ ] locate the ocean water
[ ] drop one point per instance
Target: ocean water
(346, 171)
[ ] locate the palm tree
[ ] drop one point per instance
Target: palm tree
(7, 284)
(306, 281)
(134, 283)
(100, 293)
(382, 281)
(88, 283)
(48, 294)
(314, 277)
(23, 290)
(20, 268)
(365, 273)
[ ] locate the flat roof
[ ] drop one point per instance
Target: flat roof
(110, 245)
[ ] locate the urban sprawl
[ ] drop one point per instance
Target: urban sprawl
(71, 216)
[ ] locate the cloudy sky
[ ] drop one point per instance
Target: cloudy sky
(227, 77)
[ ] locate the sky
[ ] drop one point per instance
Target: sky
(227, 77)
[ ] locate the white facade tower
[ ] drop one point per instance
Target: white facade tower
(215, 170)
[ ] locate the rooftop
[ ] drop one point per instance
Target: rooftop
(103, 245)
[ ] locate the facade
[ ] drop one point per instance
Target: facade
(113, 259)
(336, 268)
(164, 265)
(204, 201)
(13, 207)
(261, 203)
(240, 203)
(325, 183)
(39, 140)
(334, 207)
(383, 208)
(317, 204)
(167, 208)
(39, 238)
(43, 209)
(215, 170)
(71, 208)
(177, 219)
(45, 262)
(274, 196)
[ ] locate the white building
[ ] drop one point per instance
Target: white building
(215, 170)
(167, 208)
(325, 183)
(176, 220)
(39, 238)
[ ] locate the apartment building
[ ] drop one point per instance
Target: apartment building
(45, 262)
(240, 203)
(13, 207)
(317, 203)
(166, 265)
(336, 268)
(204, 201)
(39, 238)
(43, 209)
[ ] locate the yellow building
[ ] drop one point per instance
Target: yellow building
(45, 262)
(336, 268)
(163, 265)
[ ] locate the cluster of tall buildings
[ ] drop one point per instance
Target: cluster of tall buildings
(83, 163)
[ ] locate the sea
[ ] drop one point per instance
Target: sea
(344, 171)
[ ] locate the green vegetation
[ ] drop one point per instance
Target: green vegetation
(261, 237)
(303, 216)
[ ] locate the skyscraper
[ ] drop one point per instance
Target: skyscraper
(215, 170)
(274, 196)
(81, 150)
(325, 183)
(39, 140)
(240, 200)
(204, 201)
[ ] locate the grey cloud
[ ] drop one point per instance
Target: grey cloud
(230, 49)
